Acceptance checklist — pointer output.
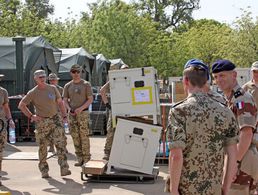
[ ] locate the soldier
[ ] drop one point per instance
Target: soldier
(110, 130)
(5, 119)
(252, 86)
(53, 80)
(211, 93)
(78, 97)
(49, 127)
(200, 129)
(242, 105)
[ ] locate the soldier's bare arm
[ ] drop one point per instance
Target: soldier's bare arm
(23, 107)
(176, 163)
(231, 167)
(103, 92)
(245, 139)
(66, 104)
(8, 114)
(62, 107)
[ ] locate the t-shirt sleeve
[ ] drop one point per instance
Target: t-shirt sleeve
(246, 112)
(27, 99)
(88, 89)
(176, 131)
(232, 132)
(65, 91)
(5, 94)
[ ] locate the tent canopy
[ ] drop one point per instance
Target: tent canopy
(71, 56)
(101, 70)
(37, 54)
(116, 63)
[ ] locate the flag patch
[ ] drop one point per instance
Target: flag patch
(240, 105)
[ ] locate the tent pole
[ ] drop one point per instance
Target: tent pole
(19, 64)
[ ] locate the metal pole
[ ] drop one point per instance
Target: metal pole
(19, 64)
(94, 81)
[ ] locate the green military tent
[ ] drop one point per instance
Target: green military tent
(71, 56)
(37, 54)
(100, 70)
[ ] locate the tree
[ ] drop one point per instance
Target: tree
(41, 8)
(168, 13)
(243, 49)
(117, 31)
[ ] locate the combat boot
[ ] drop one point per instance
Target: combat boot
(78, 164)
(106, 157)
(45, 175)
(65, 171)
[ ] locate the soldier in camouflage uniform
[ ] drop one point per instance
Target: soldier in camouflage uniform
(110, 130)
(243, 106)
(200, 130)
(49, 127)
(5, 117)
(53, 80)
(78, 97)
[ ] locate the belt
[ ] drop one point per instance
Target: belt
(49, 117)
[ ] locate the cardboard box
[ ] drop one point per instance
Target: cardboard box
(94, 167)
(237, 189)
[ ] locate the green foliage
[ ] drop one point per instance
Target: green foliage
(120, 30)
(169, 13)
(41, 8)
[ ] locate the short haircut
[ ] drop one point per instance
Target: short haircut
(197, 76)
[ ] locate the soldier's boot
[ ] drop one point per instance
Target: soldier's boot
(87, 159)
(167, 184)
(79, 163)
(44, 175)
(106, 157)
(65, 171)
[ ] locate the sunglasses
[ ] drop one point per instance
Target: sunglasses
(75, 71)
(41, 77)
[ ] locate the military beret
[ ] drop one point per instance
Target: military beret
(52, 76)
(222, 65)
(197, 63)
(39, 73)
(76, 67)
(254, 66)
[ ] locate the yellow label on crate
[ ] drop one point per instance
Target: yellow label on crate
(142, 95)
(154, 130)
(147, 71)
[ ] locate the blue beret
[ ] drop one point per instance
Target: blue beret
(197, 63)
(222, 65)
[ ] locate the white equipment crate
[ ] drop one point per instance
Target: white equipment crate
(134, 92)
(134, 146)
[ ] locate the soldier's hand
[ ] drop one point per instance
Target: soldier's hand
(11, 123)
(108, 106)
(35, 118)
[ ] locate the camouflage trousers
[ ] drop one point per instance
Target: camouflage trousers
(3, 139)
(51, 144)
(51, 130)
(79, 130)
(110, 135)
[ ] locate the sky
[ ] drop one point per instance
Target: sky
(225, 11)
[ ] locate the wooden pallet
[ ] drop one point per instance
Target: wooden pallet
(161, 161)
(122, 176)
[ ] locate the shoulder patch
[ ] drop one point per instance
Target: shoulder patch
(237, 94)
